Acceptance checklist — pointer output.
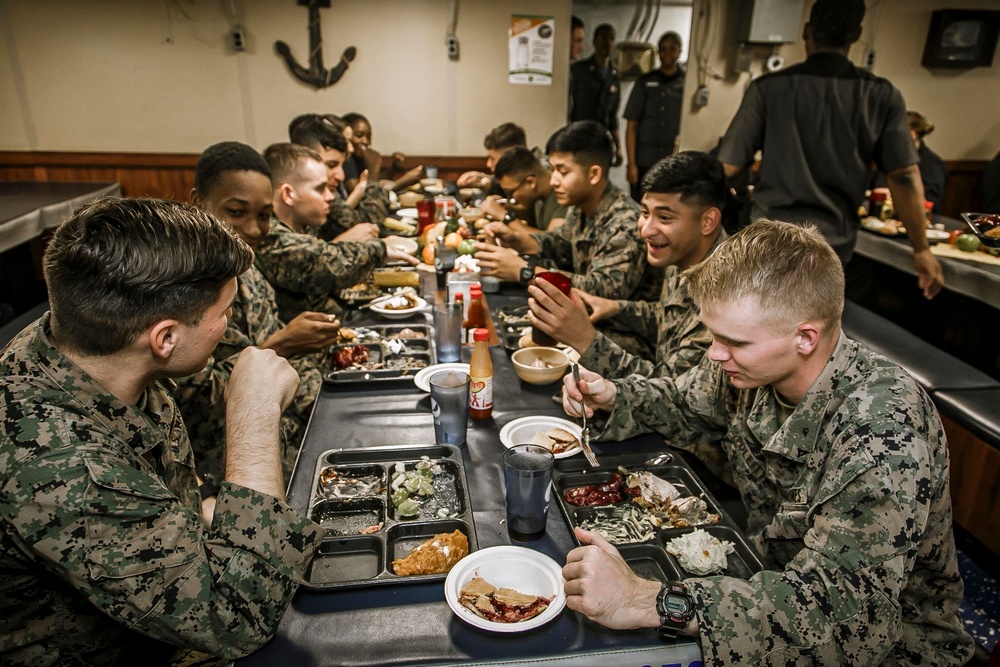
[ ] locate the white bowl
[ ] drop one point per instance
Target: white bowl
(523, 429)
(525, 570)
(523, 358)
(401, 314)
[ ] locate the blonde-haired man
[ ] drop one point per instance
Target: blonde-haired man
(838, 454)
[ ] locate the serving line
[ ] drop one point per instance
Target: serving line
(412, 624)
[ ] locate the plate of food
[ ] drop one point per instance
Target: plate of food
(423, 378)
(506, 589)
(560, 436)
(399, 306)
(406, 213)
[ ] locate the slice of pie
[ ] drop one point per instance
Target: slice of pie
(557, 440)
(500, 605)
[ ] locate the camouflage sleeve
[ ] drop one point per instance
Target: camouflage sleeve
(617, 260)
(556, 246)
(340, 218)
(837, 600)
(374, 205)
(608, 359)
(304, 264)
(120, 537)
(638, 317)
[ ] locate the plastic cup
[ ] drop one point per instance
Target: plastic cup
(448, 331)
(527, 473)
(450, 406)
(426, 211)
(444, 262)
(564, 283)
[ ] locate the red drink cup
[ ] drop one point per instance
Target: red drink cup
(425, 214)
(563, 282)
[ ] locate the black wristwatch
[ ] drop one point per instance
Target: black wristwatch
(209, 487)
(676, 609)
(528, 270)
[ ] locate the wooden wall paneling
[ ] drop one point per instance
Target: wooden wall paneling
(963, 191)
(975, 478)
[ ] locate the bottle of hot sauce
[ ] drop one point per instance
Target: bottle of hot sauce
(481, 377)
(477, 312)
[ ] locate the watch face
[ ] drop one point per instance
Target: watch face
(677, 606)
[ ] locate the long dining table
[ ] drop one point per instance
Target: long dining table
(411, 623)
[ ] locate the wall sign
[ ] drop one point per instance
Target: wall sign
(532, 39)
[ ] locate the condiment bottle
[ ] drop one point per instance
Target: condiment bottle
(477, 312)
(876, 201)
(929, 212)
(481, 377)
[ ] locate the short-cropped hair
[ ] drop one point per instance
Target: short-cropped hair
(226, 156)
(118, 266)
(318, 131)
(518, 162)
(285, 160)
(504, 136)
(586, 140)
(697, 177)
(791, 271)
(836, 23)
(670, 34)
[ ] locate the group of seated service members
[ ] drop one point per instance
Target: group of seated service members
(170, 354)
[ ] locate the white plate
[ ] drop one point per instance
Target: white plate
(406, 213)
(937, 235)
(399, 314)
(423, 377)
(525, 570)
(406, 244)
(522, 430)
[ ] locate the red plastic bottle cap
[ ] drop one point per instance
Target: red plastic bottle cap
(480, 334)
(928, 205)
(474, 291)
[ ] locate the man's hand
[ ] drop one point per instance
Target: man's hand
(599, 307)
(395, 251)
(561, 317)
(358, 192)
(260, 387)
(308, 332)
(471, 179)
(596, 393)
(492, 207)
(930, 277)
(500, 262)
(601, 586)
(522, 242)
(632, 174)
(359, 232)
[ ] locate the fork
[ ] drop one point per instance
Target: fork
(585, 435)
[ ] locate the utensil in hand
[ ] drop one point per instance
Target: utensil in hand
(388, 297)
(585, 436)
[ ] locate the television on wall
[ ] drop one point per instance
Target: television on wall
(961, 38)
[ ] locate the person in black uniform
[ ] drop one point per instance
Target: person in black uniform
(933, 172)
(653, 113)
(595, 87)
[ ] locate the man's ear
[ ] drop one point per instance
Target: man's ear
(286, 194)
(163, 338)
(710, 220)
(195, 199)
(594, 174)
(808, 336)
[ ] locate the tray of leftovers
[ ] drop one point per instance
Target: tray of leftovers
(661, 517)
(380, 353)
(392, 514)
(512, 325)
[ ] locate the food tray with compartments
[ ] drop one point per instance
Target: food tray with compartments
(381, 362)
(641, 543)
(351, 497)
(512, 322)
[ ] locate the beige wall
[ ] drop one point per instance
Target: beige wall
(118, 75)
(962, 104)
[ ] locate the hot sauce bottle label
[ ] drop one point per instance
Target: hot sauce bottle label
(480, 393)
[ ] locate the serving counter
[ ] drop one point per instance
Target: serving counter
(410, 624)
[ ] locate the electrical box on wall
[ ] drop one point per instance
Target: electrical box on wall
(770, 21)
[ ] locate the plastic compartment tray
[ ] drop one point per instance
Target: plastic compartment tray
(648, 558)
(350, 555)
(511, 321)
(420, 350)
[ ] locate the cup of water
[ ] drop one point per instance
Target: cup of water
(527, 473)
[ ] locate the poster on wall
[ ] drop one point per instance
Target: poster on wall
(531, 41)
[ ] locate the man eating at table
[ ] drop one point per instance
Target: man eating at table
(233, 183)
(532, 204)
(110, 553)
(305, 271)
(599, 245)
(838, 454)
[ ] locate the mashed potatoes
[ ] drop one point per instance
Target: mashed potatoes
(700, 553)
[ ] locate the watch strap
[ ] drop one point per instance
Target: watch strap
(675, 607)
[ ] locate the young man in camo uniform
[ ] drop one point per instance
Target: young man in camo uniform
(109, 555)
(838, 454)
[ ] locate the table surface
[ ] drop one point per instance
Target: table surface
(27, 208)
(411, 623)
(972, 279)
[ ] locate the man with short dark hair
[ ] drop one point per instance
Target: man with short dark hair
(308, 273)
(839, 456)
(653, 113)
(108, 552)
(531, 201)
(819, 126)
(577, 36)
(233, 182)
(499, 139)
(595, 88)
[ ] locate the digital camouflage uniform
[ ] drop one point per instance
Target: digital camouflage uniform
(848, 503)
(674, 328)
(200, 397)
(306, 272)
(104, 556)
(373, 208)
(605, 256)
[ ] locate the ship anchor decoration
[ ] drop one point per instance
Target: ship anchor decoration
(316, 75)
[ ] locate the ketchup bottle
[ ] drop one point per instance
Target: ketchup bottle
(481, 377)
(477, 313)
